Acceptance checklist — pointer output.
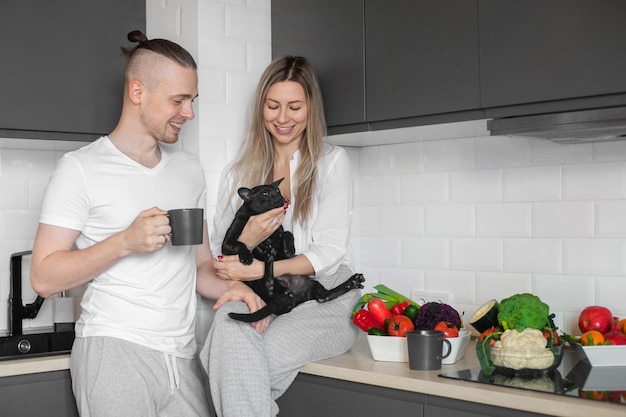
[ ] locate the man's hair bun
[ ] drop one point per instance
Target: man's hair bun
(137, 36)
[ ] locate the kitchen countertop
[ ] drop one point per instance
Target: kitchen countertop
(34, 365)
(357, 365)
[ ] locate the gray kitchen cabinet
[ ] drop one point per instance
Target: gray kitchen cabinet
(314, 396)
(330, 34)
(61, 75)
(421, 58)
(43, 394)
(383, 64)
(448, 407)
(407, 63)
(553, 55)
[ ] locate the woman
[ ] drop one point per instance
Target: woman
(249, 367)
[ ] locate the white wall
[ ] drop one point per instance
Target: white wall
(475, 216)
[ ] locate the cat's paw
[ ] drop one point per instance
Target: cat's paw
(356, 281)
(245, 258)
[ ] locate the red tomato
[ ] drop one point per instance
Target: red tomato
(400, 325)
(549, 333)
(487, 332)
(448, 329)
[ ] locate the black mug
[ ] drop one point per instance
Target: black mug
(187, 225)
(425, 349)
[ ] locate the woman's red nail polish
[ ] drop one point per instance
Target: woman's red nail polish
(220, 257)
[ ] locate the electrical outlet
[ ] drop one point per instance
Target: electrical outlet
(422, 296)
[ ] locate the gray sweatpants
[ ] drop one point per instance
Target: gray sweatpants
(112, 378)
(248, 371)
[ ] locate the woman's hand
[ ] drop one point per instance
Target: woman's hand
(230, 268)
(239, 291)
(260, 227)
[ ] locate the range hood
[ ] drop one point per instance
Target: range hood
(596, 125)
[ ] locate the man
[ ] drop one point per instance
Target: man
(104, 224)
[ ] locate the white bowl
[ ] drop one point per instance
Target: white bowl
(459, 345)
(603, 355)
(388, 348)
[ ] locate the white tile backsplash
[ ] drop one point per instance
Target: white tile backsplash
(499, 285)
(516, 214)
(533, 255)
(595, 256)
(448, 155)
(507, 219)
(563, 219)
(424, 188)
(426, 253)
(498, 152)
(610, 218)
(476, 254)
(594, 181)
(449, 220)
(536, 183)
(480, 186)
(402, 221)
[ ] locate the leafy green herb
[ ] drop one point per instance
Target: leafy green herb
(482, 352)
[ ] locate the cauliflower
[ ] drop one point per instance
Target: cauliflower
(528, 339)
(522, 350)
(521, 311)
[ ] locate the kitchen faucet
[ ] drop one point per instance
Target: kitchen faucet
(17, 311)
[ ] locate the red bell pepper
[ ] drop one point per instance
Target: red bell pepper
(365, 321)
(399, 308)
(379, 310)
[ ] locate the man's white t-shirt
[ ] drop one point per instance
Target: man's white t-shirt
(148, 299)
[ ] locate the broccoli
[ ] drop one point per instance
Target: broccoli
(432, 313)
(520, 311)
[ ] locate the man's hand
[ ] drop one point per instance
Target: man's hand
(148, 233)
(239, 291)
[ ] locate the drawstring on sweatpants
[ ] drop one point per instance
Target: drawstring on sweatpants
(172, 371)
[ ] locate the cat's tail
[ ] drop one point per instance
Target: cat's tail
(251, 317)
(280, 304)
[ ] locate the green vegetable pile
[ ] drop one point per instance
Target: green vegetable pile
(385, 312)
(517, 313)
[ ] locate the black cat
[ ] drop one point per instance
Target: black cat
(281, 294)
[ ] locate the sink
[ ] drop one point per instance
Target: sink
(36, 344)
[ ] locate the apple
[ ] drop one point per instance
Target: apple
(595, 318)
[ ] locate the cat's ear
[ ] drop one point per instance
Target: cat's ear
(244, 193)
(277, 183)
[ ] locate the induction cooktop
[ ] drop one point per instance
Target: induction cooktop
(574, 377)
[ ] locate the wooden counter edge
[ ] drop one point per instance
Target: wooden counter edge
(34, 365)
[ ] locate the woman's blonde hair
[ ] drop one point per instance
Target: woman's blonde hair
(255, 164)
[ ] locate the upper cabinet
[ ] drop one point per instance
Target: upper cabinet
(330, 34)
(385, 64)
(62, 71)
(538, 52)
(421, 58)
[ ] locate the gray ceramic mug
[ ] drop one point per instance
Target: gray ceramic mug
(186, 226)
(426, 349)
